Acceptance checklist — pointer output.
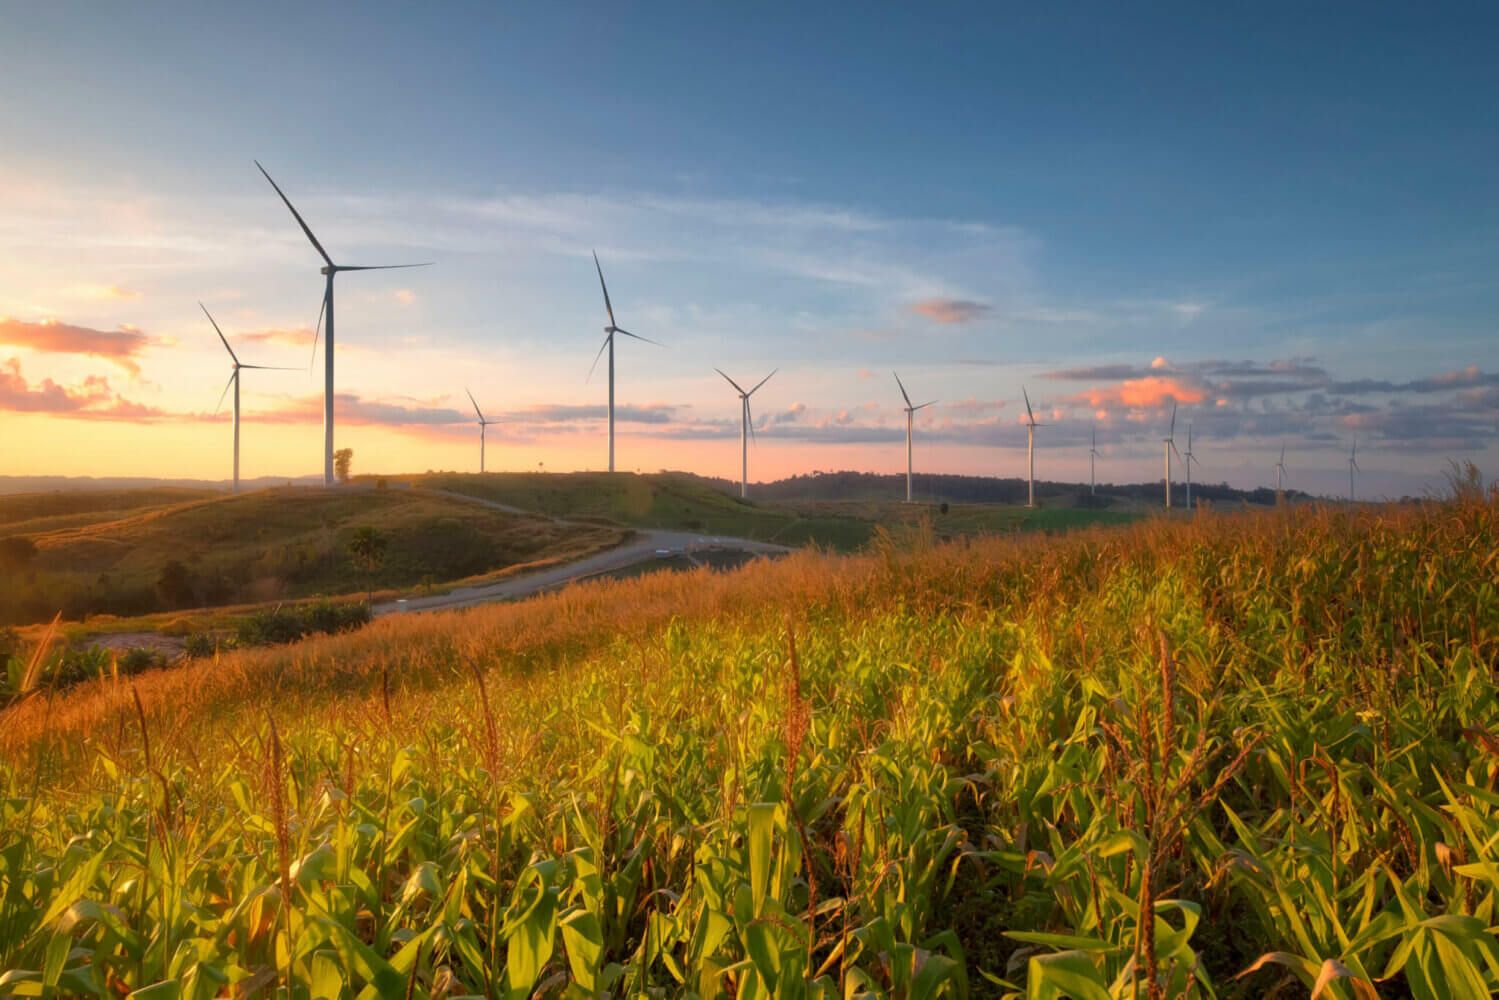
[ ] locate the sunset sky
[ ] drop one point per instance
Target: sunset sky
(1285, 219)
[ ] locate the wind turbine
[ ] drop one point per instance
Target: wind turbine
(1030, 450)
(330, 270)
(483, 423)
(1280, 469)
(746, 427)
(234, 384)
(1352, 468)
(1092, 457)
(1170, 440)
(1187, 460)
(910, 424)
(609, 332)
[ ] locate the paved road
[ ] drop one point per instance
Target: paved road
(644, 546)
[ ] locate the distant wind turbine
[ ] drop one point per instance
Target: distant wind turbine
(746, 426)
(331, 270)
(609, 332)
(1092, 457)
(1187, 460)
(910, 426)
(1353, 469)
(234, 384)
(1280, 469)
(483, 423)
(1170, 440)
(1030, 450)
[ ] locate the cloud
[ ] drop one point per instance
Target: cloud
(352, 408)
(92, 399)
(1465, 378)
(110, 292)
(118, 346)
(405, 296)
(657, 413)
(301, 337)
(950, 311)
(1148, 393)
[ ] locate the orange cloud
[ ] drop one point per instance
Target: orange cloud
(119, 346)
(93, 399)
(114, 292)
(1150, 392)
(405, 296)
(949, 311)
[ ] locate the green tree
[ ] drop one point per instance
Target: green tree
(368, 549)
(175, 585)
(343, 458)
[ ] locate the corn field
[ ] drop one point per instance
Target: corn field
(1247, 755)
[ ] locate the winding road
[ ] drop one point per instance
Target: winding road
(643, 546)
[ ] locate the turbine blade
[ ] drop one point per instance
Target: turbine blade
(1029, 414)
(761, 382)
(317, 331)
(271, 368)
(607, 338)
(749, 418)
(1173, 449)
(930, 402)
(220, 333)
(232, 376)
(1282, 454)
(731, 382)
(476, 405)
(298, 216)
(383, 267)
(637, 336)
(1172, 435)
(607, 305)
(903, 392)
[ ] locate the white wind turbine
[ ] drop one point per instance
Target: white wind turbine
(910, 425)
(1353, 469)
(609, 332)
(1030, 450)
(1280, 469)
(330, 270)
(234, 384)
(483, 423)
(1093, 457)
(746, 426)
(1170, 440)
(1187, 460)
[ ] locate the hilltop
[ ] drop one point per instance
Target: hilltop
(131, 553)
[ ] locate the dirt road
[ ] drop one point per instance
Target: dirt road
(645, 546)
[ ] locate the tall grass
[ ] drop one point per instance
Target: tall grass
(1239, 756)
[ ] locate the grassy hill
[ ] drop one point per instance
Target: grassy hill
(682, 502)
(1246, 754)
(33, 513)
(271, 545)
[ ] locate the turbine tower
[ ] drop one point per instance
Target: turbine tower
(1170, 440)
(330, 270)
(1280, 469)
(1092, 457)
(1187, 461)
(1030, 450)
(234, 384)
(746, 427)
(483, 423)
(609, 332)
(1353, 469)
(910, 424)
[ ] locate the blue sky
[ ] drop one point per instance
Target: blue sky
(1290, 211)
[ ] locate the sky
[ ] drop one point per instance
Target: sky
(1281, 220)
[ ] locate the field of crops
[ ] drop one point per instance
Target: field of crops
(1250, 755)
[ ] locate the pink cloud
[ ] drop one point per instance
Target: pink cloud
(950, 311)
(119, 346)
(1150, 392)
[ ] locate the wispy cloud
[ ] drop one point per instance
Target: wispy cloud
(120, 346)
(950, 311)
